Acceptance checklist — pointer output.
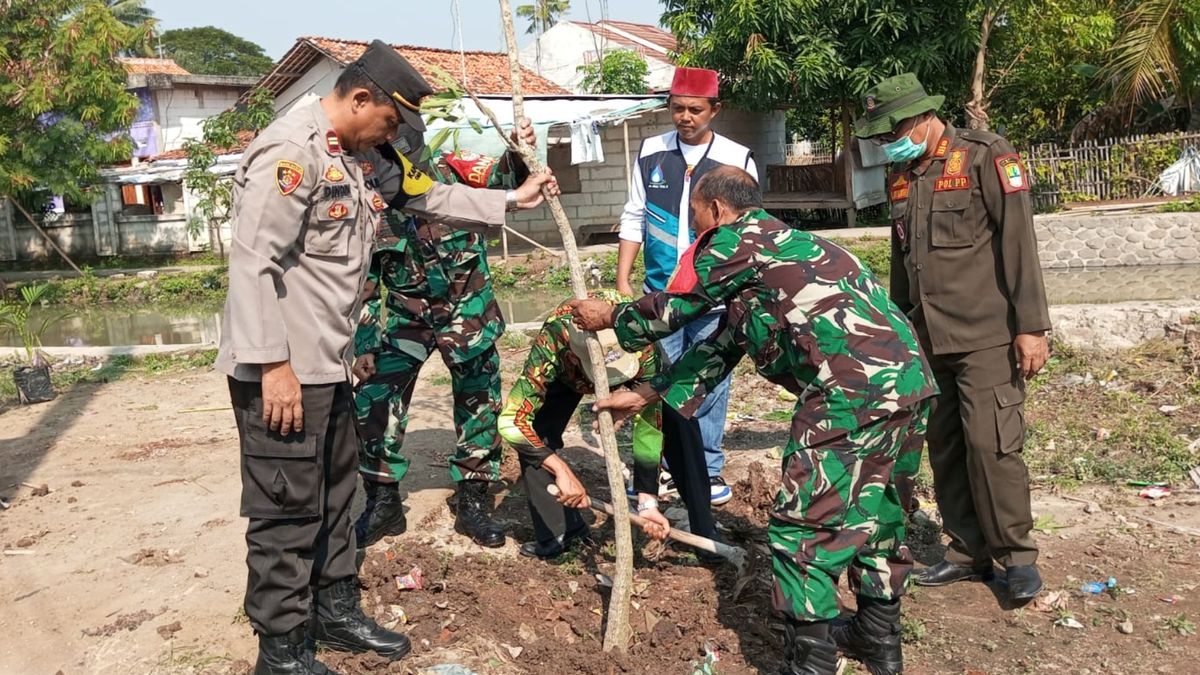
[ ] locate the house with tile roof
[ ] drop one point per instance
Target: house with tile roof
(313, 64)
(558, 53)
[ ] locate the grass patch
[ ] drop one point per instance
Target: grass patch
(875, 254)
(66, 374)
(88, 290)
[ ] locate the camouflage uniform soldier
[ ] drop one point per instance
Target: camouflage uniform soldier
(816, 322)
(437, 296)
(542, 402)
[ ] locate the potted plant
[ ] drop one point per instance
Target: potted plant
(33, 378)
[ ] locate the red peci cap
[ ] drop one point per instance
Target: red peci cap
(694, 82)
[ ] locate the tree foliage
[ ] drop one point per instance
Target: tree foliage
(1037, 78)
(1157, 53)
(542, 14)
(817, 53)
(66, 111)
(213, 192)
(212, 51)
(132, 13)
(620, 71)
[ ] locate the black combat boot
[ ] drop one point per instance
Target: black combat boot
(339, 623)
(872, 636)
(809, 651)
(287, 654)
(474, 516)
(383, 515)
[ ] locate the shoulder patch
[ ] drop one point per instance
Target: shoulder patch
(1012, 174)
(942, 146)
(898, 189)
(288, 175)
(416, 182)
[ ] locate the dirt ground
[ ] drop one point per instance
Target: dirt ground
(133, 561)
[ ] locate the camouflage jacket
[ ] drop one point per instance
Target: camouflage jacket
(435, 277)
(813, 319)
(551, 358)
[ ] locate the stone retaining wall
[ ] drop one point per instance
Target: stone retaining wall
(1079, 241)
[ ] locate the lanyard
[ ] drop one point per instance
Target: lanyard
(687, 176)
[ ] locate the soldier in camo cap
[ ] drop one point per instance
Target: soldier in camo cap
(819, 324)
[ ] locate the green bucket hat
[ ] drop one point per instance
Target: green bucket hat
(892, 101)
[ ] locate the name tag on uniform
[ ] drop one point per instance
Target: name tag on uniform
(952, 183)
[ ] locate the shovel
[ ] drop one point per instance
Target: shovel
(732, 554)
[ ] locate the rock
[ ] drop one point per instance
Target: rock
(1125, 627)
(168, 631)
(77, 483)
(1103, 434)
(26, 542)
(200, 573)
(118, 276)
(41, 490)
(1092, 507)
(1167, 409)
(71, 500)
(147, 274)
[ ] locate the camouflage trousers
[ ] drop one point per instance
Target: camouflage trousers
(838, 510)
(381, 409)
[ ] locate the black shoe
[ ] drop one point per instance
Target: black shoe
(474, 516)
(945, 573)
(383, 515)
(287, 654)
(1024, 582)
(339, 623)
(808, 655)
(872, 636)
(532, 549)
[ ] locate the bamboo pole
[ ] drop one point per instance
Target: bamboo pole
(46, 236)
(617, 630)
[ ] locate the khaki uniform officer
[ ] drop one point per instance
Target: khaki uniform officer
(307, 202)
(965, 269)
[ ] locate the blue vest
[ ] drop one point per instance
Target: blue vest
(663, 170)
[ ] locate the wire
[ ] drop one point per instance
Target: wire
(456, 15)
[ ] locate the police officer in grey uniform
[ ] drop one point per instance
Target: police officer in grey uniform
(307, 202)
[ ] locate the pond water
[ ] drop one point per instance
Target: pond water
(155, 325)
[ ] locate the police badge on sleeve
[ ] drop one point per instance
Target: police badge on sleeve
(1013, 177)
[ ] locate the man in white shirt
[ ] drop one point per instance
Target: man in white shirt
(656, 216)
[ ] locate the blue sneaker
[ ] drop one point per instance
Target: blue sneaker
(719, 492)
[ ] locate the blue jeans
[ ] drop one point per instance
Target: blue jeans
(711, 415)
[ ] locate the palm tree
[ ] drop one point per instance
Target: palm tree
(1157, 52)
(543, 14)
(132, 13)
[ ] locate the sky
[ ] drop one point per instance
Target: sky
(425, 23)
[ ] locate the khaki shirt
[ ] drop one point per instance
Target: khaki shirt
(305, 216)
(964, 256)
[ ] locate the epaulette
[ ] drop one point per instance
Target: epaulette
(979, 136)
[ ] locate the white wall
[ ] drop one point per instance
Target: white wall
(566, 46)
(181, 110)
(319, 79)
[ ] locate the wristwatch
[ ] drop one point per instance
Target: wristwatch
(647, 505)
(510, 201)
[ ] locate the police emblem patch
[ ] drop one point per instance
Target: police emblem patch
(367, 168)
(900, 233)
(288, 176)
(1011, 173)
(333, 143)
(338, 211)
(870, 103)
(334, 174)
(377, 202)
(956, 162)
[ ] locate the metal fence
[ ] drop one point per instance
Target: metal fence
(1105, 170)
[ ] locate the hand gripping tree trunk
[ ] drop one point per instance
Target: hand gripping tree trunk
(617, 631)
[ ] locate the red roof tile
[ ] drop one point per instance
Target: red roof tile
(141, 66)
(487, 72)
(243, 140)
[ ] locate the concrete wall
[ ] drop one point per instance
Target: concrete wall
(180, 110)
(606, 187)
(319, 80)
(103, 232)
(1086, 241)
(567, 46)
